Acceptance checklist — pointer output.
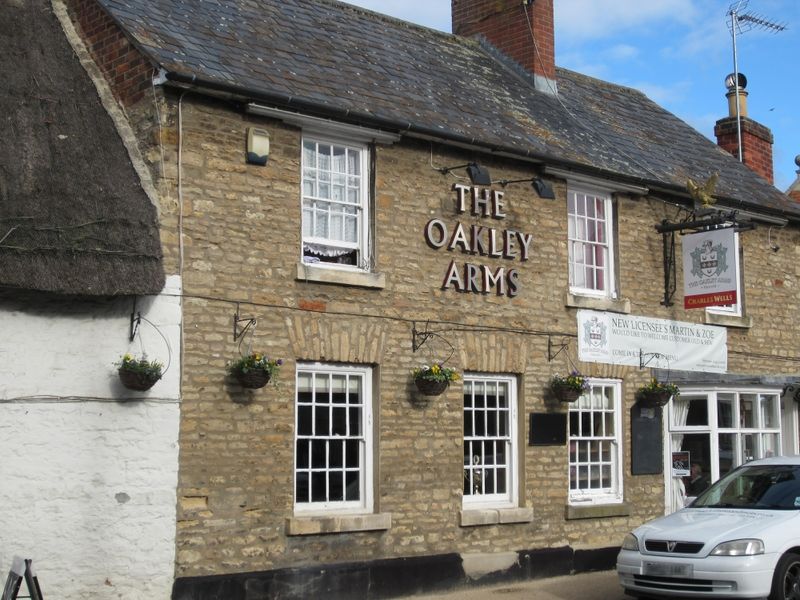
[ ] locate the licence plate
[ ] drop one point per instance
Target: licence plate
(663, 569)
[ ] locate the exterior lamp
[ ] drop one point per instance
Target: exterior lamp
(478, 175)
(544, 189)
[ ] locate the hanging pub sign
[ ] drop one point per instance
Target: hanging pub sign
(617, 339)
(709, 268)
(479, 240)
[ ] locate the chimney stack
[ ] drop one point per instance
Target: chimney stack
(520, 29)
(794, 190)
(756, 140)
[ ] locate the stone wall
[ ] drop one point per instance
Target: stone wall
(242, 239)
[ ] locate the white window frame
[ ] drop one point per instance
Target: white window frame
(508, 499)
(365, 441)
(714, 430)
(362, 245)
(612, 494)
(574, 192)
(732, 310)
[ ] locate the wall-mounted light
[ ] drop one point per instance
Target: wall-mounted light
(257, 146)
(544, 189)
(478, 175)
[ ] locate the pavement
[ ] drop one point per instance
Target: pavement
(600, 585)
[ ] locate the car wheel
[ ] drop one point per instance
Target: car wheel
(786, 579)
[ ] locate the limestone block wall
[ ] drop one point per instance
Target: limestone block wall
(241, 230)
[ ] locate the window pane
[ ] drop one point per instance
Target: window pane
(336, 458)
(304, 420)
(727, 453)
(353, 482)
(725, 410)
(319, 487)
(749, 447)
(303, 454)
(698, 411)
(746, 406)
(336, 483)
(769, 445)
(769, 411)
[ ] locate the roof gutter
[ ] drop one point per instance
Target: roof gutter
(324, 111)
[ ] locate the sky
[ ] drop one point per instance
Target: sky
(678, 52)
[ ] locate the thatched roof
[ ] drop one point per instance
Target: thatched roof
(74, 218)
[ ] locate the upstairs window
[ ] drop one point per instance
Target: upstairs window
(335, 206)
(590, 235)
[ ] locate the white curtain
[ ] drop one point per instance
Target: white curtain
(680, 411)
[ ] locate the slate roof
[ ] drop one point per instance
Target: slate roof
(336, 60)
(74, 218)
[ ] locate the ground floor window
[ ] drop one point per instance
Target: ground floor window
(595, 471)
(490, 441)
(333, 440)
(720, 430)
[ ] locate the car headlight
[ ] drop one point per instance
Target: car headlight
(630, 542)
(739, 548)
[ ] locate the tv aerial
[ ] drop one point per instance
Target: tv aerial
(742, 22)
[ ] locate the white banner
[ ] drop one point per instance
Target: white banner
(709, 268)
(626, 340)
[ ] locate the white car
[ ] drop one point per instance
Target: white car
(738, 539)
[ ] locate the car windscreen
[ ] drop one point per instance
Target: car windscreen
(763, 487)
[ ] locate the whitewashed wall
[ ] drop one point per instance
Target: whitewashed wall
(88, 469)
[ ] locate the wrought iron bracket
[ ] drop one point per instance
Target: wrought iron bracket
(419, 338)
(559, 348)
(701, 219)
(793, 389)
(669, 268)
(136, 320)
(250, 322)
(645, 358)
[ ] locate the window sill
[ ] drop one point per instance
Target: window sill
(337, 524)
(315, 274)
(598, 511)
(495, 516)
(728, 320)
(617, 305)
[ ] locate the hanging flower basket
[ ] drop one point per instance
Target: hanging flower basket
(656, 393)
(255, 370)
(565, 393)
(654, 399)
(139, 374)
(433, 380)
(252, 380)
(426, 387)
(569, 388)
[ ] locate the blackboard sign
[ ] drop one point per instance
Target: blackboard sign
(548, 429)
(647, 447)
